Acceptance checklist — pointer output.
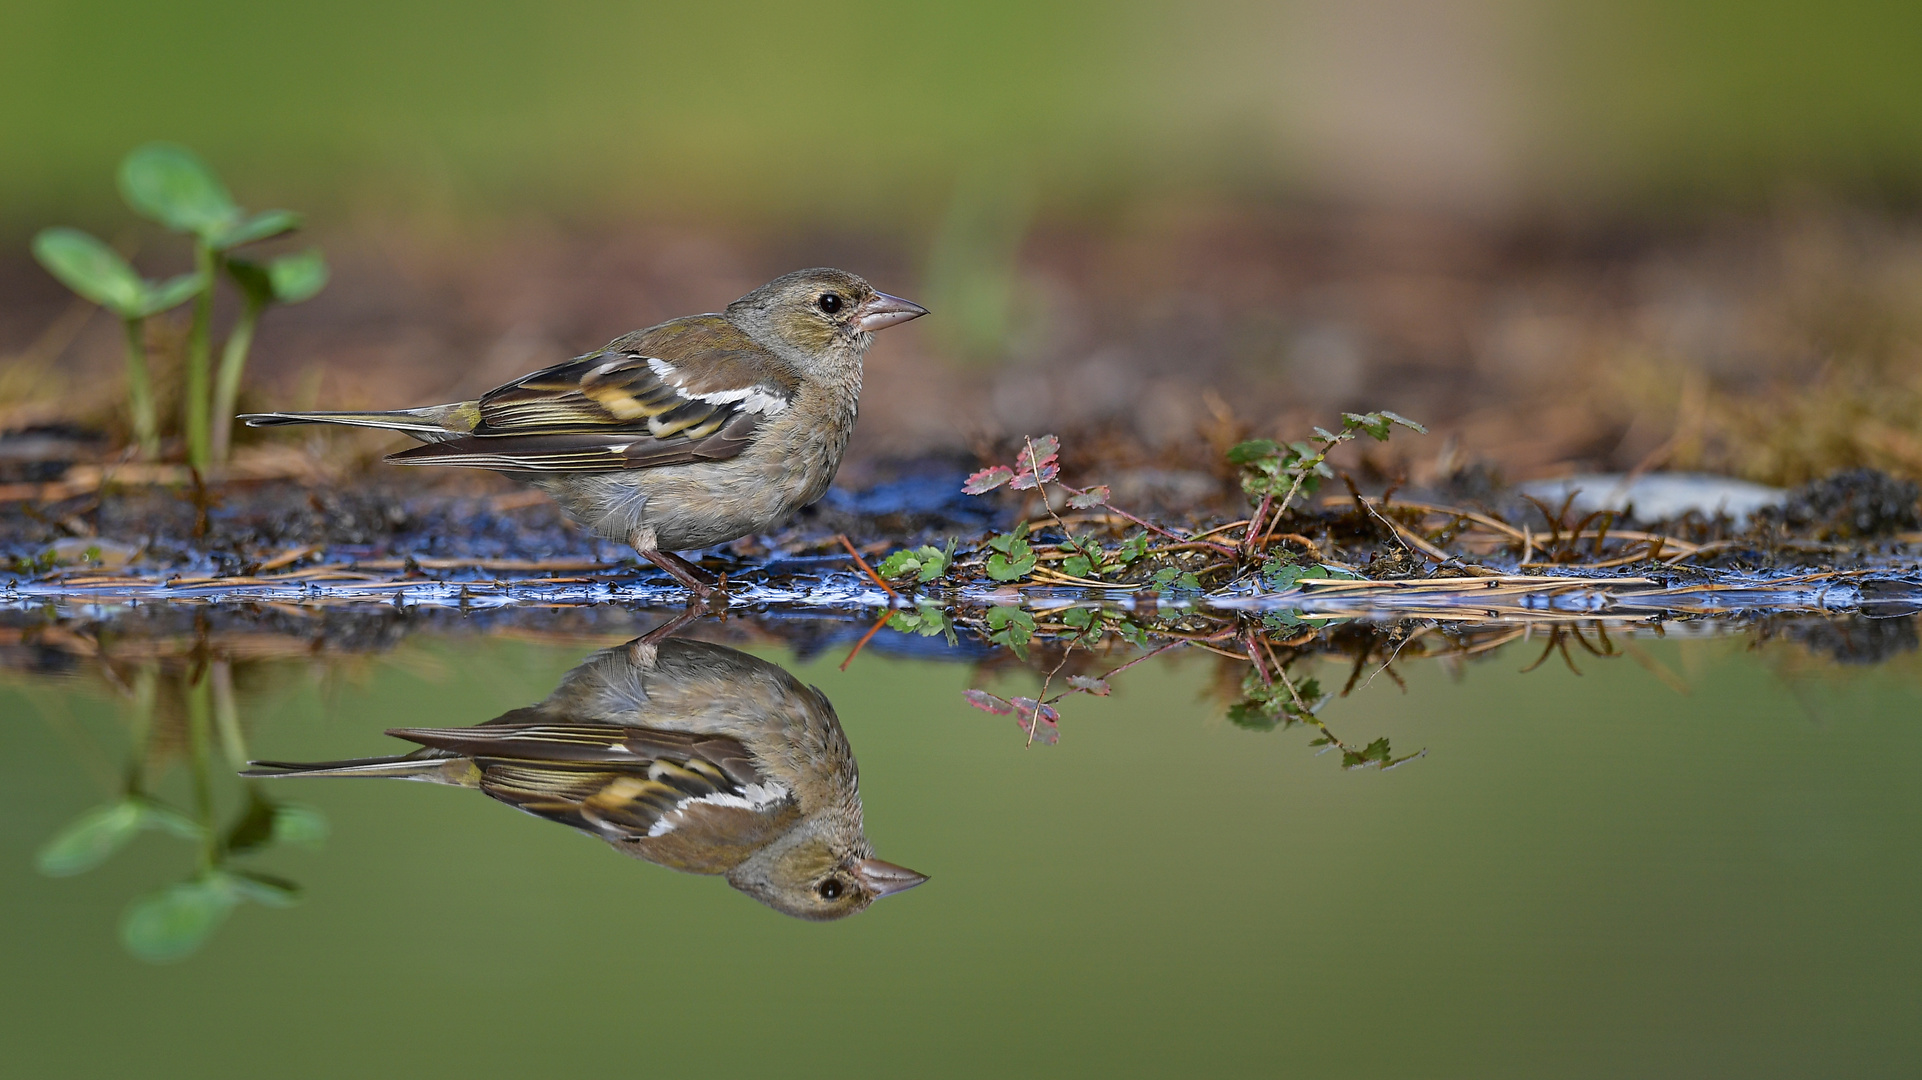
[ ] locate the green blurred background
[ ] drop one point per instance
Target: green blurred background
(867, 113)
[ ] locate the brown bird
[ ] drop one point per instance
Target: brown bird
(686, 754)
(695, 432)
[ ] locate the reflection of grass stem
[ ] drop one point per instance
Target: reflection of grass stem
(227, 714)
(199, 706)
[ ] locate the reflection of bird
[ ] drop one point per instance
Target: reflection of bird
(695, 432)
(690, 755)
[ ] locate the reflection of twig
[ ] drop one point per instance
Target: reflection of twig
(1040, 698)
(865, 638)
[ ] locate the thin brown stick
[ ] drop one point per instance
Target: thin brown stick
(867, 637)
(869, 570)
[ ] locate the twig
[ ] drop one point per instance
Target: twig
(869, 570)
(867, 637)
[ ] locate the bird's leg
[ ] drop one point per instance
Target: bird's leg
(652, 639)
(684, 572)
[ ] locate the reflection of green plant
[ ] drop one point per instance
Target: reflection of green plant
(1011, 626)
(1279, 703)
(927, 619)
(172, 186)
(175, 921)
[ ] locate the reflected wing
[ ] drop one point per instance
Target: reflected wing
(686, 391)
(619, 783)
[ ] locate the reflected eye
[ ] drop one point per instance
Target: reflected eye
(830, 888)
(830, 303)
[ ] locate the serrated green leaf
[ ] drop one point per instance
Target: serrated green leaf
(90, 268)
(1010, 567)
(1253, 450)
(171, 185)
(1404, 422)
(90, 840)
(1077, 566)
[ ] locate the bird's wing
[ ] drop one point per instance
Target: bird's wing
(690, 390)
(620, 783)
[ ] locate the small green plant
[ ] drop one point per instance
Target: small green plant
(1013, 556)
(172, 186)
(1270, 469)
(97, 273)
(925, 563)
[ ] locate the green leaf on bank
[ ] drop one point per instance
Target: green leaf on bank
(262, 226)
(171, 185)
(90, 268)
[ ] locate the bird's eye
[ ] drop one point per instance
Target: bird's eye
(829, 302)
(830, 888)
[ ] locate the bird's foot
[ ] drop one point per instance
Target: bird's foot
(706, 593)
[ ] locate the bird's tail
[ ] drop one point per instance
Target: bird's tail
(431, 424)
(457, 771)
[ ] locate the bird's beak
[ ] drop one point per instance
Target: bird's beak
(880, 311)
(885, 878)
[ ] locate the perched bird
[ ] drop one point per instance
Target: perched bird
(695, 432)
(690, 755)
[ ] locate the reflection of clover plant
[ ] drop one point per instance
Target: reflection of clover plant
(927, 620)
(173, 922)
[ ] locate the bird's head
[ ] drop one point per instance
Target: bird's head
(809, 877)
(814, 313)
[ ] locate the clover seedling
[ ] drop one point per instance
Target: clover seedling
(171, 185)
(98, 273)
(288, 279)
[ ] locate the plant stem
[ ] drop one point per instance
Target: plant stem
(146, 430)
(199, 360)
(233, 359)
(199, 706)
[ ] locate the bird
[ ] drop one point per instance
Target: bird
(691, 433)
(683, 753)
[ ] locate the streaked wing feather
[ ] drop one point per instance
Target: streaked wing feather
(718, 437)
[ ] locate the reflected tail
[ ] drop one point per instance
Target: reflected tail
(457, 771)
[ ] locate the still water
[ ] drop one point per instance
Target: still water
(1697, 857)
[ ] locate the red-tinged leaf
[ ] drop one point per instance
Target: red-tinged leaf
(1023, 481)
(987, 480)
(987, 702)
(1027, 706)
(1046, 449)
(1027, 711)
(1089, 499)
(1097, 687)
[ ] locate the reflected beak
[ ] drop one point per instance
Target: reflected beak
(885, 878)
(880, 311)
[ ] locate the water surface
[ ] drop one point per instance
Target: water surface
(1695, 858)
